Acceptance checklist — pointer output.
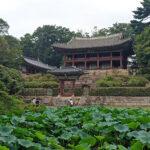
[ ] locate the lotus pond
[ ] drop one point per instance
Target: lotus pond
(76, 128)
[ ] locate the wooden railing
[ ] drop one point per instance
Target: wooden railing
(95, 58)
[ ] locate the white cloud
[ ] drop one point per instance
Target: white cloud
(24, 16)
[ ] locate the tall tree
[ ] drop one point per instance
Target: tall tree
(28, 46)
(3, 27)
(141, 17)
(39, 45)
(142, 48)
(10, 52)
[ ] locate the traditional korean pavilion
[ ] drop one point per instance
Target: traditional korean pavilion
(96, 53)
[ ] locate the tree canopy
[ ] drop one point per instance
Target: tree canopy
(142, 47)
(124, 28)
(141, 17)
(3, 27)
(39, 44)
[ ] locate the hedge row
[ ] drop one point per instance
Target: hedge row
(120, 91)
(104, 91)
(39, 92)
(36, 84)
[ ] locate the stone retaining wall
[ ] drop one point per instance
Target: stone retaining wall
(122, 101)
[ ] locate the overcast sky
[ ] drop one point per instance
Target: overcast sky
(24, 16)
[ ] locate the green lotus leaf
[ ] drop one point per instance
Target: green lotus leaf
(132, 134)
(25, 143)
(145, 126)
(15, 120)
(8, 139)
(3, 148)
(82, 147)
(5, 130)
(133, 125)
(90, 140)
(144, 137)
(137, 146)
(121, 128)
(40, 135)
(110, 147)
(100, 138)
(121, 147)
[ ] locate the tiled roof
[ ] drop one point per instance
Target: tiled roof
(64, 71)
(105, 41)
(67, 71)
(38, 64)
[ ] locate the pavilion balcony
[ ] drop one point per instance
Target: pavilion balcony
(95, 58)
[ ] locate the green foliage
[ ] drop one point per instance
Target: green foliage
(121, 81)
(11, 78)
(142, 48)
(120, 91)
(75, 128)
(41, 81)
(9, 103)
(141, 17)
(123, 28)
(109, 81)
(10, 52)
(137, 81)
(39, 44)
(3, 27)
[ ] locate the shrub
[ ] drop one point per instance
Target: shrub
(34, 84)
(121, 81)
(109, 81)
(137, 81)
(3, 87)
(144, 70)
(147, 76)
(40, 81)
(11, 78)
(9, 103)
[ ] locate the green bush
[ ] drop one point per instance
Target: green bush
(9, 103)
(34, 84)
(144, 70)
(109, 81)
(147, 76)
(120, 91)
(137, 81)
(41, 81)
(122, 81)
(11, 78)
(3, 87)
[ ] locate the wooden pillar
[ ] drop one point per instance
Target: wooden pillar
(61, 87)
(73, 59)
(97, 60)
(85, 67)
(85, 64)
(65, 59)
(73, 86)
(111, 66)
(121, 60)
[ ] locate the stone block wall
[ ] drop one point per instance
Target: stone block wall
(117, 101)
